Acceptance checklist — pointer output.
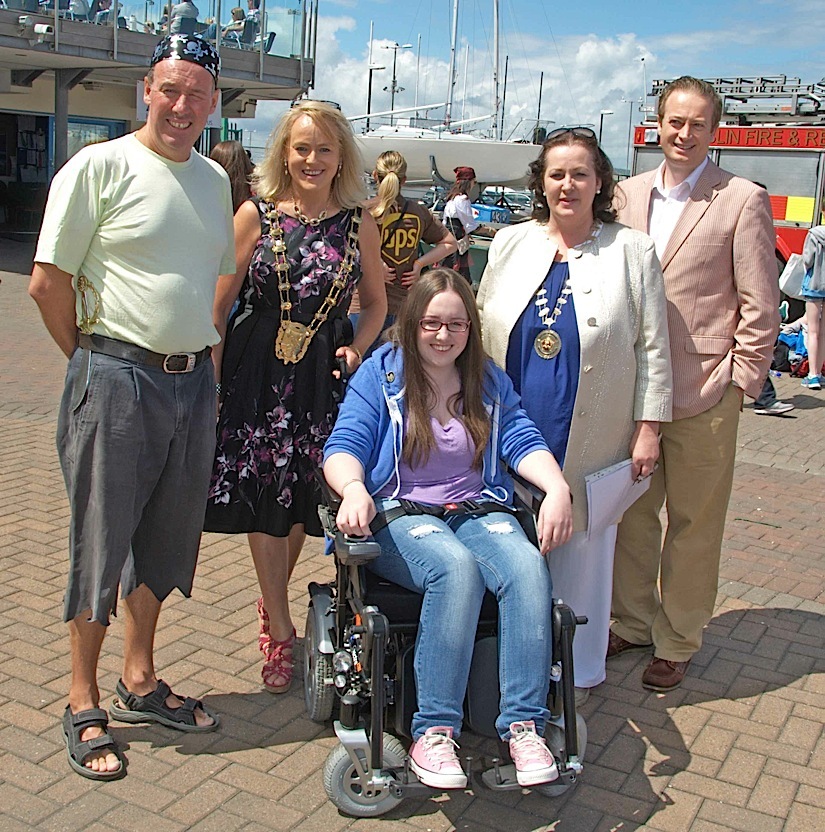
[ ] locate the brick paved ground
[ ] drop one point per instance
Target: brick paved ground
(739, 746)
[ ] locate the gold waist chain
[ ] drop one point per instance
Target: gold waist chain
(88, 319)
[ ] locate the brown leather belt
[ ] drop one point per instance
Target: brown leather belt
(174, 362)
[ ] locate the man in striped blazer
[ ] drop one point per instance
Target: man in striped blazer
(714, 237)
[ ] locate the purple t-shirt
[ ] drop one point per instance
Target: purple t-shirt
(448, 476)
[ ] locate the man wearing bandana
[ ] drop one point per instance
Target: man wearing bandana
(135, 234)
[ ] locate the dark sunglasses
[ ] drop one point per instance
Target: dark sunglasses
(580, 132)
(301, 101)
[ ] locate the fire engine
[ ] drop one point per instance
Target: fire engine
(772, 132)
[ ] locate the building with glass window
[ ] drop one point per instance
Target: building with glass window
(71, 74)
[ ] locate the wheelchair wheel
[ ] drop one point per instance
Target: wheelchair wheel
(554, 734)
(344, 789)
(319, 695)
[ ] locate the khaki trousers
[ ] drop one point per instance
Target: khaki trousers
(665, 592)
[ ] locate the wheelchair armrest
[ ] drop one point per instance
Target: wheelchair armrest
(350, 551)
(525, 494)
(329, 498)
(355, 551)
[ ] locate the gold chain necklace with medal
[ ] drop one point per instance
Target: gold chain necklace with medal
(293, 338)
(547, 343)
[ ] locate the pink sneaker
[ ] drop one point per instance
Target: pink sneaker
(534, 762)
(433, 759)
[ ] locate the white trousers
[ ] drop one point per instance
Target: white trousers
(582, 573)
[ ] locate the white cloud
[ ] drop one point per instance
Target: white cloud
(583, 74)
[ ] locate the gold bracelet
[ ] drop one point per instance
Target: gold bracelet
(357, 352)
(349, 482)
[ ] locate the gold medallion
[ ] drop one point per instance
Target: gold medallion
(292, 342)
(547, 344)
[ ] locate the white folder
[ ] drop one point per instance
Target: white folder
(610, 493)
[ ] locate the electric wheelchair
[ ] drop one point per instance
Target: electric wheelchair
(358, 665)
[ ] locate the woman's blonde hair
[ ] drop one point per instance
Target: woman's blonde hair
(391, 171)
(271, 180)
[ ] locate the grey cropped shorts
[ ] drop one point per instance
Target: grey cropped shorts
(136, 446)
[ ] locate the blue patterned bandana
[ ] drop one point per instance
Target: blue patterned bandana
(192, 48)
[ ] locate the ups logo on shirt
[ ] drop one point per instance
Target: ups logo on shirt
(400, 237)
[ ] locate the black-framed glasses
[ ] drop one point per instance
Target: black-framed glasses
(580, 132)
(434, 325)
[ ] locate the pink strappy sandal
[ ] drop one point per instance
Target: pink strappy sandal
(277, 670)
(278, 665)
(263, 622)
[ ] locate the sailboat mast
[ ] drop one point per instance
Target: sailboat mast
(497, 122)
(449, 112)
(464, 94)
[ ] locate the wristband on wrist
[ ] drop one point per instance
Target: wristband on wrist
(360, 357)
(218, 388)
(350, 482)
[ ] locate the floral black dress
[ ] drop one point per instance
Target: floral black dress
(276, 417)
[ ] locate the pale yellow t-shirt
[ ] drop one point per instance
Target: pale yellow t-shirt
(151, 235)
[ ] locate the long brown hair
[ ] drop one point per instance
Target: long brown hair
(420, 395)
(461, 187)
(234, 159)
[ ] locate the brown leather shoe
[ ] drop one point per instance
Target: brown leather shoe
(616, 645)
(663, 675)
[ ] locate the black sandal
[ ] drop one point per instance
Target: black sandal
(80, 750)
(129, 707)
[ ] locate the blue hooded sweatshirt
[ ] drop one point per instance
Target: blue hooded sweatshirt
(370, 425)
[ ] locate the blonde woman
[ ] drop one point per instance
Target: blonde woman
(301, 247)
(404, 224)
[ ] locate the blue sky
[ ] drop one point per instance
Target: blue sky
(590, 53)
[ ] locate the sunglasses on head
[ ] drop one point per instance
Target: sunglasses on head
(580, 132)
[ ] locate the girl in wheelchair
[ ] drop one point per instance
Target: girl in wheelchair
(429, 419)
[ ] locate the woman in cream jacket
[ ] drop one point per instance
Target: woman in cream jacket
(573, 307)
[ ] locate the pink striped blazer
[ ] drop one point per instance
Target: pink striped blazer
(721, 285)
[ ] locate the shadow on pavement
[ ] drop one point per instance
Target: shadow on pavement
(640, 743)
(651, 740)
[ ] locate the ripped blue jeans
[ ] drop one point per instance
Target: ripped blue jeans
(452, 562)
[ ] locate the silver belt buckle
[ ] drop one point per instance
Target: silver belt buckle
(173, 362)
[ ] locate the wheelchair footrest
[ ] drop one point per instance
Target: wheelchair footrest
(502, 778)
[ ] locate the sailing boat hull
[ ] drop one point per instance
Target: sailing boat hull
(495, 163)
